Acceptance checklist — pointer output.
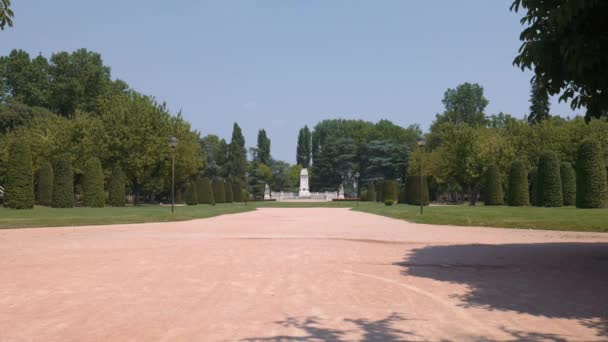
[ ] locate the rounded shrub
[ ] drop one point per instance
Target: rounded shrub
(218, 191)
(493, 187)
(389, 191)
(45, 184)
(191, 193)
(414, 187)
(205, 191)
(549, 181)
(116, 196)
(568, 177)
(237, 193)
(591, 182)
(19, 192)
(229, 195)
(389, 202)
(371, 192)
(518, 195)
(92, 184)
(63, 183)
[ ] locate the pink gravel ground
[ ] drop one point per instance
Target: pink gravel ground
(298, 275)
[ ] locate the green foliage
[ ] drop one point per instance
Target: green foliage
(465, 104)
(191, 195)
(380, 190)
(402, 194)
(229, 195)
(389, 191)
(219, 192)
(19, 192)
(389, 202)
(493, 187)
(414, 188)
(591, 181)
(304, 148)
(6, 14)
(363, 196)
(237, 193)
(568, 177)
(237, 156)
(549, 181)
(259, 176)
(263, 150)
(533, 186)
(205, 191)
(45, 184)
(92, 184)
(561, 44)
(539, 102)
(116, 197)
(15, 114)
(63, 183)
(517, 195)
(371, 193)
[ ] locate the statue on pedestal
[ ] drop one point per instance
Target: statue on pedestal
(304, 190)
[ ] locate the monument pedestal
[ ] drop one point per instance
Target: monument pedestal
(304, 191)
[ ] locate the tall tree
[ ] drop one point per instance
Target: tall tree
(263, 152)
(304, 149)
(465, 104)
(237, 156)
(6, 14)
(539, 102)
(565, 43)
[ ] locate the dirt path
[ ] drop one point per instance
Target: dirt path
(299, 275)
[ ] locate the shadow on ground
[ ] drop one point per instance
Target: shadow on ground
(556, 280)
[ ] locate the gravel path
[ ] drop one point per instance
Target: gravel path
(315, 274)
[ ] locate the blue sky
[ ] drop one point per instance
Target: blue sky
(282, 64)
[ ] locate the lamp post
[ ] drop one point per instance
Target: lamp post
(358, 192)
(173, 144)
(421, 141)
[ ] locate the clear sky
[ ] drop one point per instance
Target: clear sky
(282, 64)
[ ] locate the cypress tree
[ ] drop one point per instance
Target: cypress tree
(493, 189)
(116, 197)
(568, 176)
(263, 148)
(19, 192)
(304, 148)
(228, 189)
(63, 183)
(389, 191)
(219, 194)
(237, 193)
(591, 182)
(371, 192)
(205, 191)
(413, 190)
(45, 184)
(191, 193)
(549, 181)
(517, 195)
(92, 184)
(539, 102)
(237, 156)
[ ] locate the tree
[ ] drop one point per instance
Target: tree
(493, 188)
(14, 115)
(259, 176)
(191, 193)
(539, 102)
(568, 177)
(304, 148)
(205, 191)
(216, 153)
(63, 184)
(6, 14)
(19, 192)
(219, 193)
(517, 195)
(228, 190)
(563, 43)
(465, 104)
(116, 197)
(263, 148)
(549, 181)
(25, 80)
(371, 192)
(45, 184)
(92, 184)
(591, 182)
(237, 156)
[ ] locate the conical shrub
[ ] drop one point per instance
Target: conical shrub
(380, 190)
(63, 183)
(191, 193)
(414, 188)
(533, 186)
(389, 191)
(205, 191)
(237, 193)
(591, 182)
(45, 184)
(19, 191)
(371, 192)
(117, 195)
(228, 189)
(518, 196)
(218, 191)
(568, 177)
(549, 181)
(493, 188)
(93, 194)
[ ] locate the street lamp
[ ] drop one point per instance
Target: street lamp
(421, 141)
(173, 144)
(357, 181)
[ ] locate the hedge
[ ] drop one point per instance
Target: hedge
(205, 191)
(493, 188)
(549, 181)
(389, 191)
(229, 195)
(63, 183)
(371, 192)
(413, 190)
(517, 195)
(219, 194)
(533, 186)
(93, 194)
(379, 190)
(237, 193)
(568, 177)
(591, 182)
(19, 192)
(116, 197)
(191, 195)
(45, 184)
(363, 196)
(402, 194)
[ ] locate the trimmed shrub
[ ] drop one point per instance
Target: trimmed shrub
(493, 188)
(92, 184)
(45, 184)
(219, 194)
(591, 182)
(363, 196)
(568, 176)
(389, 191)
(549, 181)
(205, 191)
(389, 202)
(371, 193)
(19, 192)
(402, 194)
(116, 197)
(237, 193)
(229, 194)
(379, 190)
(191, 193)
(518, 195)
(63, 183)
(533, 186)
(413, 190)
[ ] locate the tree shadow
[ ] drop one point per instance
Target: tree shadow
(313, 329)
(556, 280)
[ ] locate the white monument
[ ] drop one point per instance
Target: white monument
(341, 192)
(266, 192)
(304, 191)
